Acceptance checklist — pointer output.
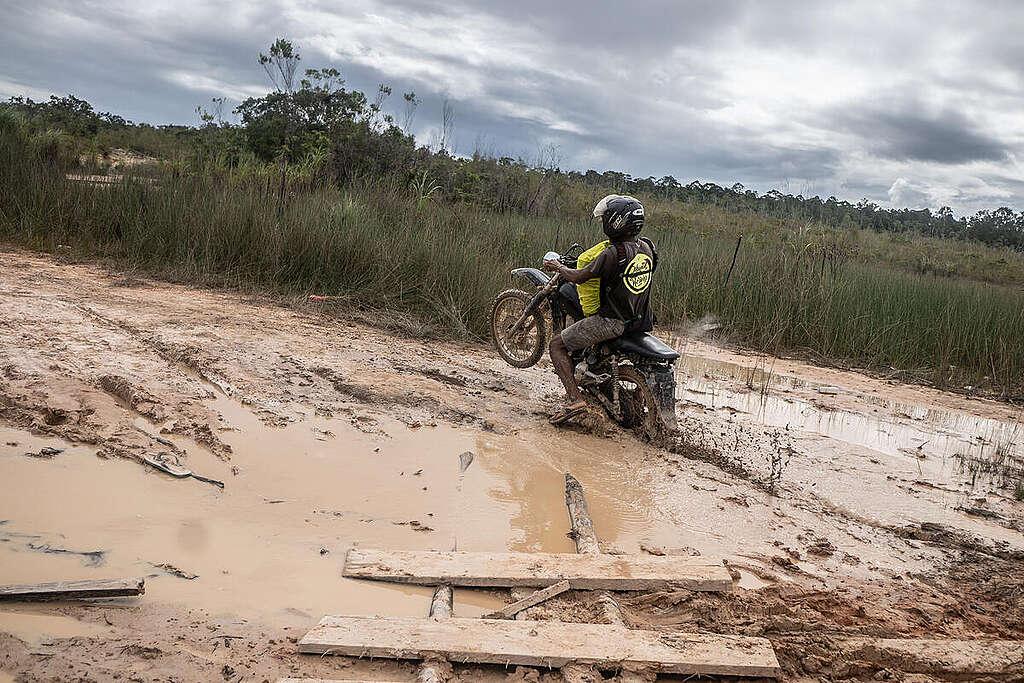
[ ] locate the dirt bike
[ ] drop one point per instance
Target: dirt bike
(631, 376)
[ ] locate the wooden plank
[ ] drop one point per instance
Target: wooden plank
(535, 598)
(942, 656)
(330, 680)
(550, 644)
(538, 570)
(74, 590)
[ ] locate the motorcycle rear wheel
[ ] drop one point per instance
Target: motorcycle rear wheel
(638, 404)
(525, 347)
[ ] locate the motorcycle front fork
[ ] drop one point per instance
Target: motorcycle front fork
(591, 383)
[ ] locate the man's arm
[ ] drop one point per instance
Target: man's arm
(576, 276)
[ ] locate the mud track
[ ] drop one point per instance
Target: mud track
(847, 507)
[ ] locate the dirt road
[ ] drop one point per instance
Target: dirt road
(846, 506)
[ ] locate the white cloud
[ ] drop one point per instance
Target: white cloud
(15, 89)
(214, 86)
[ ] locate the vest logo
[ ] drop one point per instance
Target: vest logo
(637, 275)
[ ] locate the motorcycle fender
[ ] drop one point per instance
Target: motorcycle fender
(533, 275)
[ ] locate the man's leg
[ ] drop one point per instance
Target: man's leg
(563, 368)
(580, 335)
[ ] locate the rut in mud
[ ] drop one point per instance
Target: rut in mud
(845, 506)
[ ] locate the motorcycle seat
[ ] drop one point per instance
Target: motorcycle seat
(643, 344)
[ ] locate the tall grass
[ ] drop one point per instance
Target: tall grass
(382, 246)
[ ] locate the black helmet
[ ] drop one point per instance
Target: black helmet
(620, 216)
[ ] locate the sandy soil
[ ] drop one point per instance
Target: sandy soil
(847, 506)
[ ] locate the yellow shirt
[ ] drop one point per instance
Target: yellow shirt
(590, 291)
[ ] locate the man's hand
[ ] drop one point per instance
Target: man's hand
(552, 265)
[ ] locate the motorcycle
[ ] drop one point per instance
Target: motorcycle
(632, 376)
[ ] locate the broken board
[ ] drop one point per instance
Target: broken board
(74, 590)
(509, 611)
(537, 570)
(549, 644)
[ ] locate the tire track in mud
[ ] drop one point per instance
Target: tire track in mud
(184, 357)
(370, 395)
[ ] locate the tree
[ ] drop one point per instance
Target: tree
(447, 126)
(411, 103)
(289, 121)
(281, 64)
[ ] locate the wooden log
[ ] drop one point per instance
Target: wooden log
(582, 531)
(435, 669)
(535, 598)
(441, 603)
(74, 590)
(582, 527)
(537, 570)
(549, 644)
(579, 673)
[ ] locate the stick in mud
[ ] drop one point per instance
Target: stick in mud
(510, 611)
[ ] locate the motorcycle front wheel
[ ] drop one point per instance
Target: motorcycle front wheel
(524, 347)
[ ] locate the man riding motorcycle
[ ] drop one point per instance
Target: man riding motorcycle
(625, 268)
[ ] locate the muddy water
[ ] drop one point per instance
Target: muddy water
(932, 437)
(271, 544)
(36, 627)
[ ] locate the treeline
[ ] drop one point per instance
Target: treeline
(314, 130)
(1002, 227)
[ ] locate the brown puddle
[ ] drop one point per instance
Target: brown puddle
(271, 544)
(36, 628)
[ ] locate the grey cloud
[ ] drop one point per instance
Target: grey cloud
(909, 131)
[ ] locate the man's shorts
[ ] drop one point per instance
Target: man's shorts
(591, 330)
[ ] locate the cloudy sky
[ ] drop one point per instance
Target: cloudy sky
(904, 103)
